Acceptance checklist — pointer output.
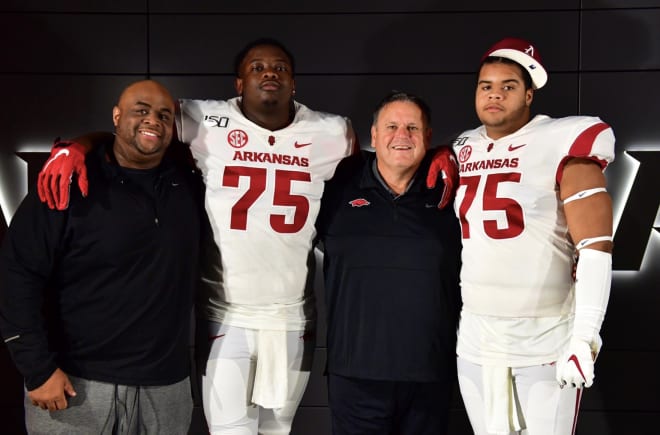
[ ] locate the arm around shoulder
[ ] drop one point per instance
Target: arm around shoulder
(66, 159)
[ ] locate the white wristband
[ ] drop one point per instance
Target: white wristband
(590, 241)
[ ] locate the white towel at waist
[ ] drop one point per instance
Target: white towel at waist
(501, 410)
(271, 377)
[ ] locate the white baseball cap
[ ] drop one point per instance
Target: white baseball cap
(523, 53)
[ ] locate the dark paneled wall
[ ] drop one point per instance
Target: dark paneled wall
(65, 62)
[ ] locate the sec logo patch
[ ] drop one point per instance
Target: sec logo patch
(237, 138)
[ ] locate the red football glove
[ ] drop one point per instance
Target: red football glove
(444, 163)
(54, 183)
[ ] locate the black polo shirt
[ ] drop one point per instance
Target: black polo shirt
(391, 266)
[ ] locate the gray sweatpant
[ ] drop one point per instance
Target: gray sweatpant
(103, 408)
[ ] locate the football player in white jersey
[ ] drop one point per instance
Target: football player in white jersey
(531, 200)
(264, 158)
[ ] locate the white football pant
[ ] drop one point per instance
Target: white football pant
(227, 385)
(546, 408)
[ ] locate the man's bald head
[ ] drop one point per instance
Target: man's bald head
(141, 88)
(143, 119)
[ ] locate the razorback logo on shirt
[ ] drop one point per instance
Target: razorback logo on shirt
(465, 153)
(359, 202)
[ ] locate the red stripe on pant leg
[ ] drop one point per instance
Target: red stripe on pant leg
(578, 396)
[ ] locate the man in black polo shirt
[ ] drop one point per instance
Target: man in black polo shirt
(391, 264)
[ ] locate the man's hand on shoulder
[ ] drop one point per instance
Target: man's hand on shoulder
(444, 164)
(52, 394)
(54, 183)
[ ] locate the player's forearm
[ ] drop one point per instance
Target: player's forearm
(592, 292)
(91, 140)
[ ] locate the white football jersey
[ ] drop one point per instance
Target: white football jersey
(263, 192)
(517, 256)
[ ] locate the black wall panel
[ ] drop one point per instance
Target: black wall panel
(619, 4)
(358, 43)
(75, 6)
(74, 43)
(620, 40)
(64, 64)
(349, 6)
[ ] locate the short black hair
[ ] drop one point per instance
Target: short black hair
(527, 79)
(395, 95)
(240, 56)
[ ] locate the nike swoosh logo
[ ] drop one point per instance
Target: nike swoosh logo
(213, 337)
(62, 152)
(300, 145)
(512, 148)
(575, 361)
